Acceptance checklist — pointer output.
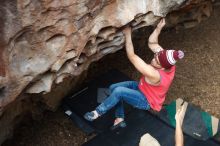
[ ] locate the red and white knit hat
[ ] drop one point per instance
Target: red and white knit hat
(168, 58)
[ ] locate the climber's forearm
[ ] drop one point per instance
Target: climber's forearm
(129, 45)
(154, 35)
(178, 135)
(153, 40)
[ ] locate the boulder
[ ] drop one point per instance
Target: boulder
(46, 46)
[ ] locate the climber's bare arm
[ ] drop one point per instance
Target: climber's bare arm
(179, 133)
(145, 69)
(153, 39)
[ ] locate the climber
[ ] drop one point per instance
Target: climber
(150, 92)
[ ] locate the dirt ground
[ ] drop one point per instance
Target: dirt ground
(197, 80)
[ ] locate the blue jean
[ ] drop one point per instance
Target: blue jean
(128, 92)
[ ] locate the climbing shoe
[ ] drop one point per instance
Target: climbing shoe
(122, 124)
(90, 116)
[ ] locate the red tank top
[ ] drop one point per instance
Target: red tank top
(156, 94)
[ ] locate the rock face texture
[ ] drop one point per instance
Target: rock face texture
(46, 44)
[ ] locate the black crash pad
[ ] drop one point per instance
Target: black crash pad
(197, 123)
(138, 123)
(85, 100)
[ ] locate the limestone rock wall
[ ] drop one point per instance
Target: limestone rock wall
(191, 13)
(46, 42)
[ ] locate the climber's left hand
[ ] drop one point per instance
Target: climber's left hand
(127, 30)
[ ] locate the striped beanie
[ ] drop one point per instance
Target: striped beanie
(168, 58)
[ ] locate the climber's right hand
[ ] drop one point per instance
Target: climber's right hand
(127, 30)
(162, 23)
